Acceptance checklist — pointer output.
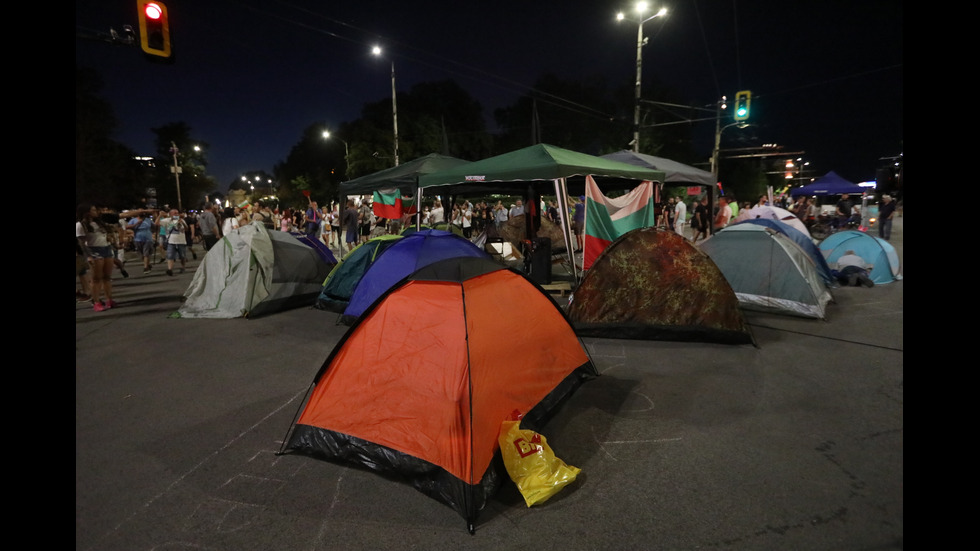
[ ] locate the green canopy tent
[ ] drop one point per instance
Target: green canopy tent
(530, 170)
(405, 177)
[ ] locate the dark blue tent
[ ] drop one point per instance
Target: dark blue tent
(828, 184)
(403, 258)
(320, 247)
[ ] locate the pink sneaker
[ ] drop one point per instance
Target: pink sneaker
(99, 307)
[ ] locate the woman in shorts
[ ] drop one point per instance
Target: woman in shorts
(93, 236)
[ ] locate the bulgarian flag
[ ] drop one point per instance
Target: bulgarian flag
(390, 204)
(606, 219)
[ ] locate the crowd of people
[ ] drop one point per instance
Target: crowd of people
(167, 235)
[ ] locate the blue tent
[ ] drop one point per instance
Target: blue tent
(342, 280)
(828, 184)
(403, 258)
(317, 245)
(873, 250)
(800, 239)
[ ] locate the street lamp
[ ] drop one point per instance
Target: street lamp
(640, 8)
(394, 108)
(327, 135)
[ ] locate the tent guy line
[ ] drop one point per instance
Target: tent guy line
(826, 338)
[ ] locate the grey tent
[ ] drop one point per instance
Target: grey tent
(674, 172)
(252, 271)
(768, 271)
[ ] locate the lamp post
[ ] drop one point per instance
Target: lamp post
(718, 130)
(176, 170)
(327, 135)
(640, 8)
(394, 105)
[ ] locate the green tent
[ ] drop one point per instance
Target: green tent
(536, 169)
(538, 163)
(343, 278)
(404, 176)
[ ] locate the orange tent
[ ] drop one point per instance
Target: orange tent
(417, 386)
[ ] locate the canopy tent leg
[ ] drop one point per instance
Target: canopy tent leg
(561, 190)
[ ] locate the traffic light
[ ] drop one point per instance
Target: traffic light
(743, 100)
(154, 29)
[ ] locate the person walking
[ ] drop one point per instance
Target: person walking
(142, 226)
(190, 231)
(350, 224)
(886, 211)
(701, 219)
(680, 217)
(176, 242)
(207, 222)
(162, 221)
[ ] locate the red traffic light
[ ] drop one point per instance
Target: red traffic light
(153, 11)
(154, 26)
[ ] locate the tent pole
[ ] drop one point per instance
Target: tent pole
(418, 208)
(561, 190)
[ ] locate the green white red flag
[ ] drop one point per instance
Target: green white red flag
(606, 219)
(390, 204)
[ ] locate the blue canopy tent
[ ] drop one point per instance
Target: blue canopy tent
(828, 184)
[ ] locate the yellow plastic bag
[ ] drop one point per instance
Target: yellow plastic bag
(531, 464)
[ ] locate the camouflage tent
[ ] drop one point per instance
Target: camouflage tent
(654, 284)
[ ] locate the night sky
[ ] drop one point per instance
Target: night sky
(251, 75)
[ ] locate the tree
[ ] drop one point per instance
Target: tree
(106, 172)
(314, 164)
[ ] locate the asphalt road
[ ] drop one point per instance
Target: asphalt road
(794, 444)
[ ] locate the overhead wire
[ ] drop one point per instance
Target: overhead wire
(475, 73)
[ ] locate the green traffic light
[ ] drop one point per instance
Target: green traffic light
(743, 100)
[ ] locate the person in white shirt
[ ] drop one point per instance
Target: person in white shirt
(467, 219)
(516, 209)
(437, 214)
(176, 242)
(853, 270)
(680, 217)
